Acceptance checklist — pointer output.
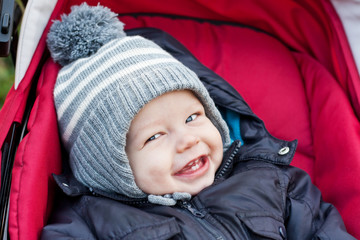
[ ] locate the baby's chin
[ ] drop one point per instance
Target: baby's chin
(197, 188)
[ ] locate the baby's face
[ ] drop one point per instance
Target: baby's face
(172, 146)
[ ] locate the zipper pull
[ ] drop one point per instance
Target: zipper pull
(186, 205)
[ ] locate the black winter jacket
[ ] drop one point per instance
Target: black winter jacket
(256, 194)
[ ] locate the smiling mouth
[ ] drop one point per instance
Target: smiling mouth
(193, 166)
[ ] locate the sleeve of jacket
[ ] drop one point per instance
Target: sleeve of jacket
(65, 223)
(308, 216)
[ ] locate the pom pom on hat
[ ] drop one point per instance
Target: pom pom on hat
(81, 33)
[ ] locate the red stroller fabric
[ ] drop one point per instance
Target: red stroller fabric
(290, 61)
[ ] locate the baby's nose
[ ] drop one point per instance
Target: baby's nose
(186, 141)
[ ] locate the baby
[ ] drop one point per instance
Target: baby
(151, 155)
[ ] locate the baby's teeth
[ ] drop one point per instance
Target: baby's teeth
(192, 163)
(195, 167)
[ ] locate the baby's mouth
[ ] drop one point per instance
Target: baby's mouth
(193, 166)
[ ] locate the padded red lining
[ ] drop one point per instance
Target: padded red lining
(336, 137)
(37, 157)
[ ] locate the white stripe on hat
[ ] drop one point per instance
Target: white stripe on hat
(84, 104)
(101, 52)
(131, 53)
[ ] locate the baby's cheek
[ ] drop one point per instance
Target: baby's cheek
(155, 174)
(156, 182)
(218, 153)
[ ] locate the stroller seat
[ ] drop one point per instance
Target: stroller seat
(294, 77)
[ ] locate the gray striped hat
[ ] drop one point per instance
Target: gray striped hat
(103, 84)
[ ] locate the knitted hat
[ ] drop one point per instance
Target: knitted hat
(106, 78)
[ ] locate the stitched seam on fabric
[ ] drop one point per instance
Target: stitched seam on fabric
(146, 226)
(319, 228)
(7, 114)
(303, 200)
(35, 112)
(20, 179)
(282, 186)
(295, 56)
(246, 220)
(77, 238)
(269, 166)
(306, 203)
(222, 224)
(80, 206)
(323, 232)
(263, 159)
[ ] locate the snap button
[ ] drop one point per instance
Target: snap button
(167, 196)
(282, 232)
(284, 151)
(65, 185)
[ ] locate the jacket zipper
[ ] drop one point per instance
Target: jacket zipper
(186, 205)
(228, 162)
(202, 218)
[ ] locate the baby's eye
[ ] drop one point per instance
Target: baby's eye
(153, 137)
(191, 117)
